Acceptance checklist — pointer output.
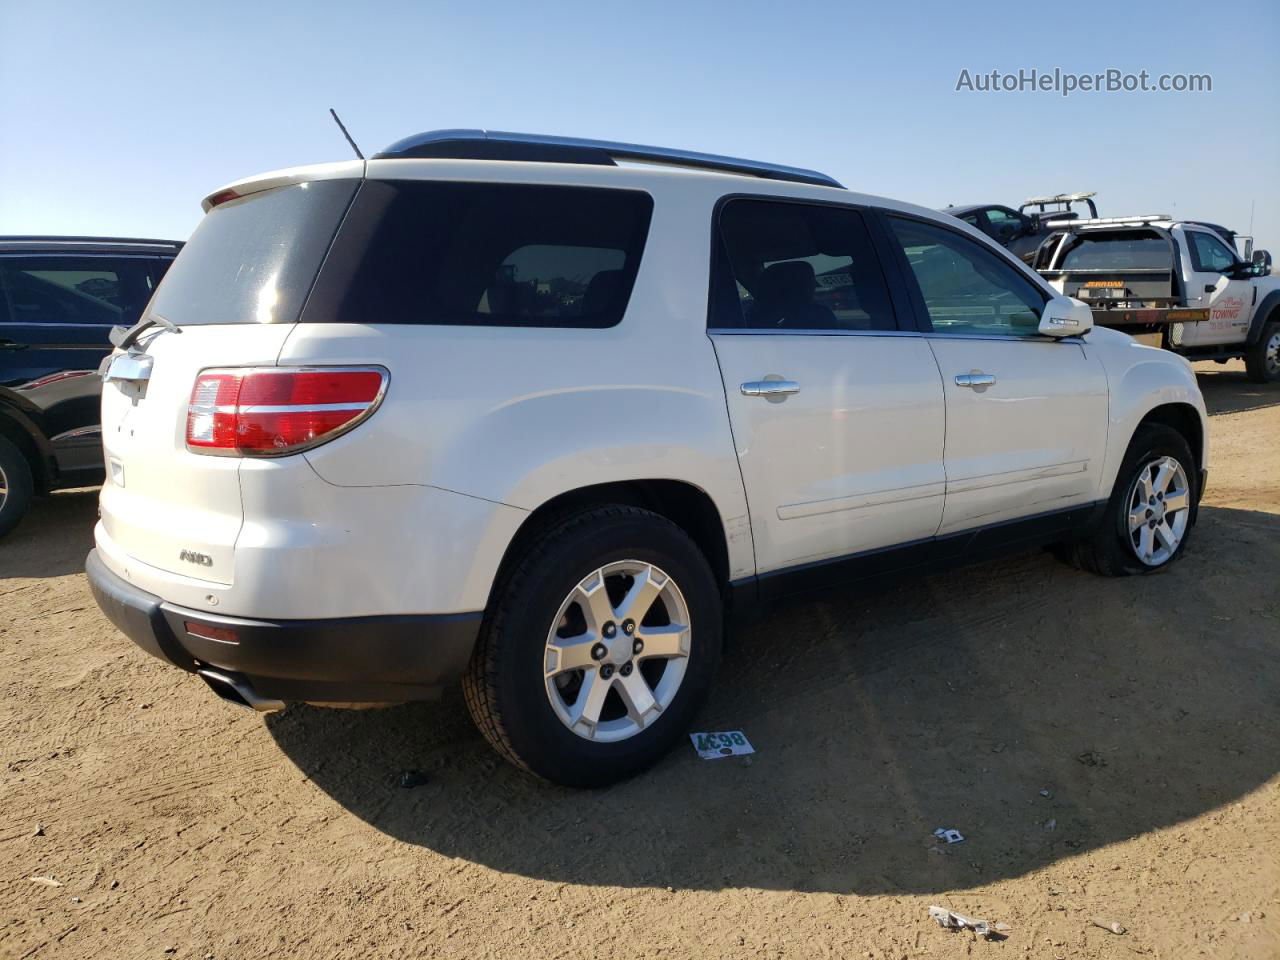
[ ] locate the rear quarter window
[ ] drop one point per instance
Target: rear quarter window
(484, 254)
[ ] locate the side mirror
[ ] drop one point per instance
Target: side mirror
(1066, 317)
(1261, 263)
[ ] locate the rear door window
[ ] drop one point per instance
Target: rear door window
(72, 290)
(484, 254)
(797, 266)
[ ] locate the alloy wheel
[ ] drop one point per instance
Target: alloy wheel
(617, 651)
(1271, 356)
(1159, 510)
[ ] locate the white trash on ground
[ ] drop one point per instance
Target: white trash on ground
(713, 746)
(950, 920)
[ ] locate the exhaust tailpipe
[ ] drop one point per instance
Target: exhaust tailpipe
(234, 688)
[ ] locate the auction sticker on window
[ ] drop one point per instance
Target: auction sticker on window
(712, 746)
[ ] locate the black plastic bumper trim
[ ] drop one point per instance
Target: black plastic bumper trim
(347, 659)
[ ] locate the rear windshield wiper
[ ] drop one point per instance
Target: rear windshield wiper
(124, 338)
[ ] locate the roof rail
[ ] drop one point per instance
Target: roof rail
(502, 145)
(1109, 221)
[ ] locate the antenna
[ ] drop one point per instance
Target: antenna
(343, 128)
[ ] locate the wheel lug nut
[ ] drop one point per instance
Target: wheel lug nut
(637, 647)
(625, 669)
(629, 627)
(611, 629)
(606, 671)
(599, 651)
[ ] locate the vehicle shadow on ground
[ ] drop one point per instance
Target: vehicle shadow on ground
(958, 701)
(53, 538)
(1228, 390)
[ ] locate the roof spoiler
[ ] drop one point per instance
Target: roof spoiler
(342, 170)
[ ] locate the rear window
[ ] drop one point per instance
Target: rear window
(1126, 250)
(253, 260)
(484, 254)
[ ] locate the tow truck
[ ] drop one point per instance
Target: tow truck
(1178, 284)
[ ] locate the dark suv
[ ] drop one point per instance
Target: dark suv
(59, 299)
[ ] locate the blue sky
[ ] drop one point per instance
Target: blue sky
(118, 117)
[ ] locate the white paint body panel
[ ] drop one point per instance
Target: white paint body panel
(1139, 379)
(1031, 442)
(413, 510)
(173, 500)
(850, 463)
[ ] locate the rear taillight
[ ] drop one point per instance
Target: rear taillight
(273, 411)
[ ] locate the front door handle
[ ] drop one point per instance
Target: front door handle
(775, 391)
(974, 379)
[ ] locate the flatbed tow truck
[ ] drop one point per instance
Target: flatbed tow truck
(1180, 285)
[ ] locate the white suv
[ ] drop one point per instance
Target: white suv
(541, 414)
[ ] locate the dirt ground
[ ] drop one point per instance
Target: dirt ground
(1109, 749)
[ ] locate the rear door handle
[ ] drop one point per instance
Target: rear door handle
(13, 345)
(974, 379)
(775, 391)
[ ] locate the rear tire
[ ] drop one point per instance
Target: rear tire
(1118, 548)
(1262, 361)
(522, 688)
(16, 485)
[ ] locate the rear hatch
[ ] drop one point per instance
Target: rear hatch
(1123, 268)
(234, 293)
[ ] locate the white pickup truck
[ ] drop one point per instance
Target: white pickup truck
(1177, 284)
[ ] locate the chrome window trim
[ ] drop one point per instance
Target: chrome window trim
(84, 255)
(69, 326)
(811, 332)
(751, 332)
(1033, 338)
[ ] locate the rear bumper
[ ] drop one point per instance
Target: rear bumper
(353, 659)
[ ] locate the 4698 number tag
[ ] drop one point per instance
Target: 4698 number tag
(712, 746)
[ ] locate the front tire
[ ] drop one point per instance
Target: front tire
(1262, 361)
(599, 646)
(16, 486)
(1148, 518)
